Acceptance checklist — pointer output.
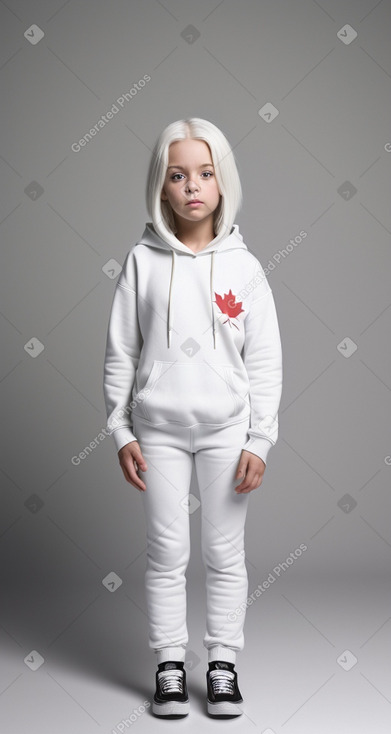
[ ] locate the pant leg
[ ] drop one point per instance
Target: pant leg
(167, 481)
(223, 523)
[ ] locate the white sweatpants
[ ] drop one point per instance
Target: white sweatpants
(168, 450)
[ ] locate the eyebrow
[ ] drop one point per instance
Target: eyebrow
(202, 166)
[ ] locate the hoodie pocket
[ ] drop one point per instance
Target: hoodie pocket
(188, 393)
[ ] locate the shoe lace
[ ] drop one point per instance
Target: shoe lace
(222, 681)
(171, 681)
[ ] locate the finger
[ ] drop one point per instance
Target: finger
(246, 481)
(251, 482)
(131, 476)
(132, 451)
(139, 459)
(137, 482)
(242, 468)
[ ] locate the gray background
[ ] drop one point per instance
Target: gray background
(322, 166)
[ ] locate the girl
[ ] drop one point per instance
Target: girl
(193, 372)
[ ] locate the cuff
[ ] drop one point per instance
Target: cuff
(122, 436)
(221, 652)
(171, 653)
(258, 446)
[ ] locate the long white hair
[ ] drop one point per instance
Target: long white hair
(226, 173)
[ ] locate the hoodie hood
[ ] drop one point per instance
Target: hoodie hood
(220, 244)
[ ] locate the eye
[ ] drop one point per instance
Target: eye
(174, 176)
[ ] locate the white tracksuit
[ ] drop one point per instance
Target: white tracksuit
(193, 366)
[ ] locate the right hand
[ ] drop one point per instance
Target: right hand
(131, 461)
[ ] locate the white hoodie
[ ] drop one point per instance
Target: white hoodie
(193, 338)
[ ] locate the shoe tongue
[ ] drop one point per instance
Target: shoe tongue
(169, 666)
(221, 665)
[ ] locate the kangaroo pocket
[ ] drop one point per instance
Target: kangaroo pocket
(191, 392)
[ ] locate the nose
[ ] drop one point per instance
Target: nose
(192, 186)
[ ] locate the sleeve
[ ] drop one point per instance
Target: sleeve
(123, 347)
(262, 357)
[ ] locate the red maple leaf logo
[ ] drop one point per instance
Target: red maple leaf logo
(228, 305)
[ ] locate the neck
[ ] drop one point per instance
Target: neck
(195, 236)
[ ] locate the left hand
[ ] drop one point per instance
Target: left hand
(252, 469)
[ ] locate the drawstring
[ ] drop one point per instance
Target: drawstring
(211, 298)
(169, 314)
(169, 328)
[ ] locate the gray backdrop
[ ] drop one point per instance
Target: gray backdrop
(302, 91)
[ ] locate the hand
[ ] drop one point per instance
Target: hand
(252, 469)
(131, 460)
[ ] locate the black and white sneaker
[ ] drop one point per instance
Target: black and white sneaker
(171, 696)
(224, 697)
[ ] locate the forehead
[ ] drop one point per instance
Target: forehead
(189, 149)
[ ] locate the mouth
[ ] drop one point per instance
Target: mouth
(194, 201)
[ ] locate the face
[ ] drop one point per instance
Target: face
(190, 175)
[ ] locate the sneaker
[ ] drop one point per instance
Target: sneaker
(171, 697)
(223, 692)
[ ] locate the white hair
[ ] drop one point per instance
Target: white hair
(226, 173)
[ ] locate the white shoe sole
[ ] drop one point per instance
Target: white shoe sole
(225, 707)
(170, 708)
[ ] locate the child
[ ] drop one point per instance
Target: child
(193, 372)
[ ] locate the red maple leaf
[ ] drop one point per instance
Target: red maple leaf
(227, 304)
